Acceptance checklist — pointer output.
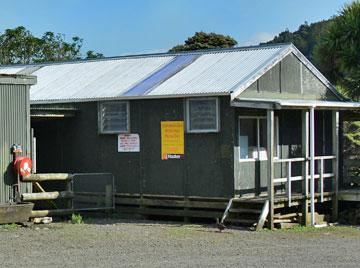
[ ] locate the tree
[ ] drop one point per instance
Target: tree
(55, 48)
(338, 55)
(202, 40)
(338, 51)
(18, 45)
(304, 38)
(94, 55)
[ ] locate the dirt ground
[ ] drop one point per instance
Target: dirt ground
(124, 243)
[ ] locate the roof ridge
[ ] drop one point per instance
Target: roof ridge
(149, 55)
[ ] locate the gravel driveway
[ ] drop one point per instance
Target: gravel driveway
(120, 243)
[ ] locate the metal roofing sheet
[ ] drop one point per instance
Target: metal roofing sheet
(10, 70)
(161, 75)
(94, 79)
(218, 72)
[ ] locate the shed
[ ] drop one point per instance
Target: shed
(14, 127)
(250, 122)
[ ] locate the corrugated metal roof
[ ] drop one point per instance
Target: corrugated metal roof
(92, 80)
(212, 72)
(10, 70)
(161, 75)
(218, 72)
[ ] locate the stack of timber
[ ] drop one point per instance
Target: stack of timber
(50, 197)
(167, 205)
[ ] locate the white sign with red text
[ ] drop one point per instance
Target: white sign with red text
(128, 143)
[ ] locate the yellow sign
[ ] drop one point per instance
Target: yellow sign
(172, 140)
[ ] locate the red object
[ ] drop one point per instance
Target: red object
(23, 166)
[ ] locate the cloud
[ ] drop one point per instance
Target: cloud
(259, 38)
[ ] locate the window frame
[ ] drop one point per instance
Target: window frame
(258, 118)
(187, 115)
(100, 123)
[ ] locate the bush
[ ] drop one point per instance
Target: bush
(76, 219)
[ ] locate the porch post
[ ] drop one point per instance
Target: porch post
(312, 165)
(335, 149)
(305, 171)
(270, 155)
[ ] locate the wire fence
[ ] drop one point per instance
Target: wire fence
(93, 191)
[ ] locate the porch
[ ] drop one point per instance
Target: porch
(310, 178)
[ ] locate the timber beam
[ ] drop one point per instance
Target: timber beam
(48, 177)
(46, 196)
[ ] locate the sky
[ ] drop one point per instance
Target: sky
(120, 27)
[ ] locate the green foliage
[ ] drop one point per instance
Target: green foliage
(338, 51)
(202, 40)
(94, 55)
(305, 38)
(76, 219)
(11, 226)
(352, 133)
(18, 45)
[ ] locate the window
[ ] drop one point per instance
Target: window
(113, 117)
(202, 115)
(253, 138)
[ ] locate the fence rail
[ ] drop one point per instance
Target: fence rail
(321, 175)
(77, 192)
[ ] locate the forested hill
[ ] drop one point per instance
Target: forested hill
(305, 38)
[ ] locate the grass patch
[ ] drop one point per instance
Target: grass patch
(11, 226)
(76, 219)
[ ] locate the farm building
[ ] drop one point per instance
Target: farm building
(182, 131)
(14, 127)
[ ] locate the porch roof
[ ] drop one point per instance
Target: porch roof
(278, 104)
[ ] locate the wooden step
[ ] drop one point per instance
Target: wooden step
(245, 210)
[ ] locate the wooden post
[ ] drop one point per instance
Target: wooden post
(109, 198)
(305, 172)
(312, 165)
(33, 151)
(289, 184)
(70, 188)
(270, 155)
(321, 178)
(335, 149)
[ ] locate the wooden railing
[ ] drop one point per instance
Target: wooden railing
(321, 175)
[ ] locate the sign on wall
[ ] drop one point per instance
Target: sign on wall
(172, 140)
(128, 143)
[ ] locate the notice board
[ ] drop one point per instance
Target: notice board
(172, 140)
(128, 143)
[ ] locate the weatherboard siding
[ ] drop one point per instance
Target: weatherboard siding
(76, 146)
(289, 79)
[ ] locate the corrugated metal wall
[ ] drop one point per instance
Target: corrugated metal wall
(14, 128)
